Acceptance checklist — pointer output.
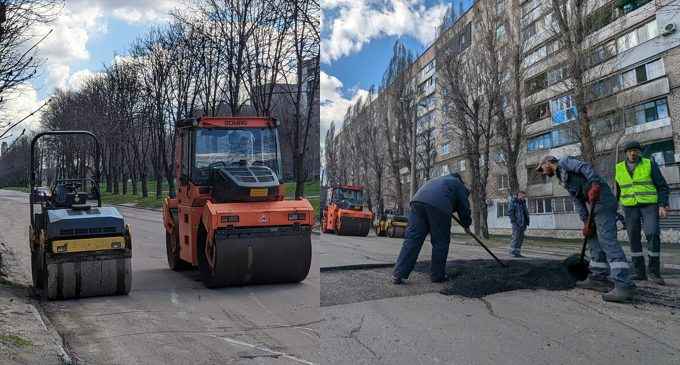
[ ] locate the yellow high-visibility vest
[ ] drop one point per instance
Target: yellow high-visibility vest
(639, 188)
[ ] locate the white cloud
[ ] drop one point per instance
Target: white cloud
(20, 102)
(333, 104)
(134, 11)
(78, 78)
(358, 22)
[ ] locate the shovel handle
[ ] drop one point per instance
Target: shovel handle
(589, 222)
(479, 241)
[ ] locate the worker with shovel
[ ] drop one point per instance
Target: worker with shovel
(607, 256)
(431, 210)
(642, 191)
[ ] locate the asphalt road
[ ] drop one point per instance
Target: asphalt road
(170, 317)
(368, 320)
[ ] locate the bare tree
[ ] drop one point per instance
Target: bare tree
(472, 97)
(397, 100)
(18, 59)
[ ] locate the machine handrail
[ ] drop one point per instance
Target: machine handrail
(63, 133)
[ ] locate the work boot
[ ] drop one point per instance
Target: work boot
(602, 286)
(396, 280)
(639, 272)
(440, 279)
(516, 255)
(619, 295)
(655, 270)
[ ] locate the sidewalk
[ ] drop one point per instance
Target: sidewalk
(26, 336)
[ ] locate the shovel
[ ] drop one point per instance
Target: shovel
(480, 242)
(576, 264)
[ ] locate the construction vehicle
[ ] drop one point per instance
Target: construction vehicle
(391, 224)
(229, 217)
(77, 250)
(344, 214)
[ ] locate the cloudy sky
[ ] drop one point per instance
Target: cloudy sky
(86, 35)
(357, 41)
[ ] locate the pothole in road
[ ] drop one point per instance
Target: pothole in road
(468, 278)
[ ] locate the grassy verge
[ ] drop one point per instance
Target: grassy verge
(17, 188)
(312, 191)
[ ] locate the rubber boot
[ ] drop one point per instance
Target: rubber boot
(655, 270)
(602, 286)
(619, 295)
(639, 268)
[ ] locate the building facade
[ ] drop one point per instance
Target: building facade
(634, 73)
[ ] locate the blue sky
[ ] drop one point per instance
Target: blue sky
(357, 41)
(85, 36)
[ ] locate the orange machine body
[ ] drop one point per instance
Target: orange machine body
(194, 207)
(336, 213)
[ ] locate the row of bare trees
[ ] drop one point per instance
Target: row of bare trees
(225, 57)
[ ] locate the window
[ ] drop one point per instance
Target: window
(606, 124)
(534, 178)
(663, 153)
(429, 67)
(445, 169)
(556, 75)
(500, 7)
(629, 5)
(601, 17)
(502, 209)
(536, 83)
(643, 73)
(538, 112)
(603, 53)
(444, 149)
(461, 165)
(540, 205)
(655, 69)
(503, 182)
(563, 109)
(466, 37)
(563, 136)
(606, 87)
(563, 205)
(637, 36)
(530, 6)
(647, 112)
(536, 56)
(500, 33)
(540, 142)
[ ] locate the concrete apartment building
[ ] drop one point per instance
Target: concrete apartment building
(635, 95)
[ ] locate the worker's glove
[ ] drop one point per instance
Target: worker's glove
(587, 230)
(594, 193)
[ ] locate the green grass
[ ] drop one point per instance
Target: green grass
(15, 341)
(312, 191)
(16, 188)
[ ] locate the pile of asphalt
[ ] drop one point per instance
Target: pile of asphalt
(479, 278)
(468, 278)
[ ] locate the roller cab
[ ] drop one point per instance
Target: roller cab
(77, 249)
(391, 224)
(345, 214)
(229, 218)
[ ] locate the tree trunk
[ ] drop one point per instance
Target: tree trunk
(145, 186)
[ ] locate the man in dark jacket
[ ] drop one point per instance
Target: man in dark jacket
(519, 218)
(606, 254)
(643, 192)
(431, 210)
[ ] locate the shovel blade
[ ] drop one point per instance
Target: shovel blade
(577, 268)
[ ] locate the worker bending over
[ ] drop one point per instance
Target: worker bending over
(431, 210)
(606, 254)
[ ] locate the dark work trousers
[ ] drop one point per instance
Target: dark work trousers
(424, 219)
(644, 218)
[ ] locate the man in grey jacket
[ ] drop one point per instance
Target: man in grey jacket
(431, 210)
(606, 254)
(519, 218)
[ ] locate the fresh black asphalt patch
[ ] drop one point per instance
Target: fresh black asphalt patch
(468, 278)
